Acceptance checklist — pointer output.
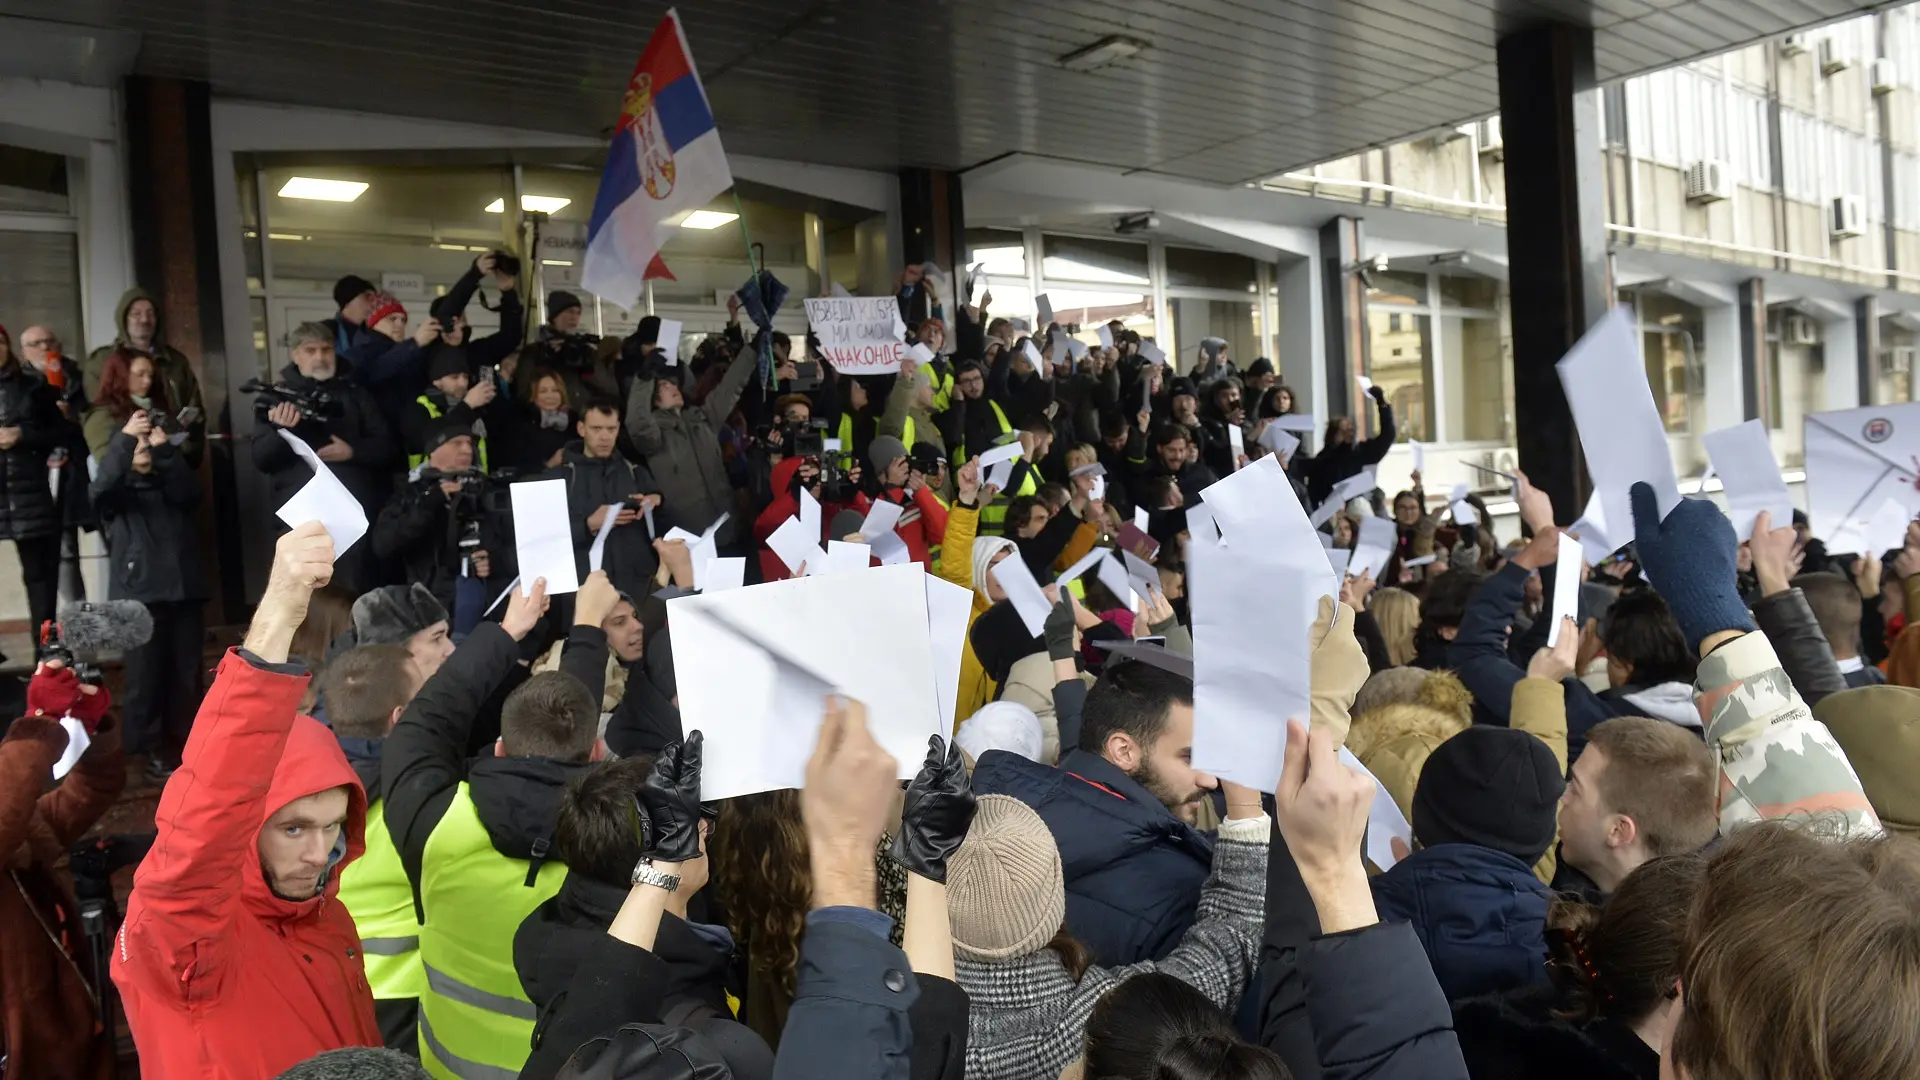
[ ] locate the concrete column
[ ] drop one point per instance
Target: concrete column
(1845, 384)
(1303, 340)
(1757, 388)
(813, 234)
(1343, 298)
(1556, 239)
(1726, 375)
(1866, 350)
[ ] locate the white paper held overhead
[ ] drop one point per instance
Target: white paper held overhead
(543, 534)
(1749, 475)
(1023, 592)
(1621, 432)
(1566, 585)
(323, 499)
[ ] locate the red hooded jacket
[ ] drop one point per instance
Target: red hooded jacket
(784, 506)
(222, 979)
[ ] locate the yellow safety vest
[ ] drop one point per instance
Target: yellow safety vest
(376, 893)
(933, 549)
(475, 1020)
(962, 452)
(942, 389)
(846, 433)
(414, 461)
(993, 516)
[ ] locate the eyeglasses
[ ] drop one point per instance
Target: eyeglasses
(40, 343)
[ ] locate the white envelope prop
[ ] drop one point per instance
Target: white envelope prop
(1858, 459)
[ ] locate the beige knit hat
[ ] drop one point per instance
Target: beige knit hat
(1006, 894)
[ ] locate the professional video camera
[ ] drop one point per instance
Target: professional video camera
(316, 405)
(173, 423)
(87, 629)
(578, 352)
(480, 494)
(927, 462)
(808, 441)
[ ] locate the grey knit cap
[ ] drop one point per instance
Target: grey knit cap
(1006, 893)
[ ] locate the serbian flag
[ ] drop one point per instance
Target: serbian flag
(665, 161)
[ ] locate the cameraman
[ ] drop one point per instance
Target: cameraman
(832, 479)
(560, 347)
(349, 434)
(923, 524)
(598, 479)
(145, 493)
(447, 528)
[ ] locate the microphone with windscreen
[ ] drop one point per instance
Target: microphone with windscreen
(90, 628)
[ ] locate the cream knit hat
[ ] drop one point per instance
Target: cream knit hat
(1006, 894)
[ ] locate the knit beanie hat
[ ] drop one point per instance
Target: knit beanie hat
(350, 287)
(648, 332)
(1001, 725)
(560, 300)
(441, 429)
(984, 549)
(884, 450)
(1006, 893)
(447, 360)
(1491, 786)
(383, 306)
(391, 614)
(845, 523)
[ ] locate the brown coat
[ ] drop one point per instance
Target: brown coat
(51, 1031)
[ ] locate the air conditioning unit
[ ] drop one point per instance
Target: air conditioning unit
(1833, 57)
(1897, 360)
(1488, 131)
(1709, 181)
(1886, 75)
(1801, 331)
(1793, 45)
(1849, 217)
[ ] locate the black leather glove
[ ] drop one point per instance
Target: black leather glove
(1059, 630)
(671, 797)
(938, 810)
(1379, 395)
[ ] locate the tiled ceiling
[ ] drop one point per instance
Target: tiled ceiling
(1226, 91)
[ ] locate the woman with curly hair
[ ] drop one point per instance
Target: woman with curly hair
(763, 883)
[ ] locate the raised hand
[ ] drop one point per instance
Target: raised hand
(671, 797)
(938, 809)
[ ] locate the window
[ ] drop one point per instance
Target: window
(33, 181)
(1002, 252)
(1672, 334)
(1393, 326)
(1438, 347)
(1796, 370)
(1194, 268)
(1089, 281)
(1895, 365)
(1399, 365)
(1103, 262)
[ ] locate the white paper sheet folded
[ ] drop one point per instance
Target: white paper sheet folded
(1032, 353)
(1621, 432)
(921, 355)
(796, 546)
(1592, 529)
(1566, 585)
(1043, 309)
(810, 514)
(597, 554)
(724, 574)
(752, 666)
(1294, 422)
(1106, 335)
(1419, 456)
(323, 499)
(543, 534)
(1113, 574)
(1023, 592)
(1749, 475)
(1151, 351)
(1857, 460)
(1385, 822)
(1279, 440)
(1373, 547)
(1091, 560)
(949, 613)
(881, 518)
(1253, 597)
(845, 558)
(1237, 440)
(669, 341)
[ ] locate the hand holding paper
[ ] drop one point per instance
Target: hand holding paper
(323, 499)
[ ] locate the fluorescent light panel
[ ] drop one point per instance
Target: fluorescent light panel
(538, 204)
(707, 219)
(312, 187)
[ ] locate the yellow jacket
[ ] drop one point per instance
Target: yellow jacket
(956, 565)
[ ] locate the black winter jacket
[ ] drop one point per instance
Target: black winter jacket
(376, 452)
(596, 482)
(421, 528)
(153, 552)
(1515, 1037)
(1335, 463)
(27, 507)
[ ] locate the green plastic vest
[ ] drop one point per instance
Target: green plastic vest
(414, 461)
(846, 433)
(993, 516)
(377, 894)
(475, 1021)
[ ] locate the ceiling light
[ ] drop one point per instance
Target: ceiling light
(311, 187)
(707, 219)
(533, 204)
(556, 262)
(285, 236)
(1101, 53)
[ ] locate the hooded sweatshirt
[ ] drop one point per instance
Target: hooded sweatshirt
(175, 370)
(234, 982)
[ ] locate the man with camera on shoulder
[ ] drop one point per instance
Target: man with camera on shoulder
(450, 527)
(561, 347)
(335, 416)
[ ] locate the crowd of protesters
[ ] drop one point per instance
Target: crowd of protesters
(409, 831)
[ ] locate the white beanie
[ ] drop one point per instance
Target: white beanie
(1001, 725)
(984, 549)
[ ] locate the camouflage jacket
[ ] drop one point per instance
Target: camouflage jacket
(1775, 760)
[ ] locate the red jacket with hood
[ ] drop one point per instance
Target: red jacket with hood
(220, 978)
(784, 506)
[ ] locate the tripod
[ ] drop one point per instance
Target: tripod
(93, 865)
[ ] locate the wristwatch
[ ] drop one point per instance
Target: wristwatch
(645, 873)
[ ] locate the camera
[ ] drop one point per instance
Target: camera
(505, 263)
(925, 461)
(318, 405)
(576, 351)
(53, 646)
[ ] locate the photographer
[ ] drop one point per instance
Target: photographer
(145, 493)
(30, 429)
(923, 524)
(139, 323)
(599, 480)
(448, 527)
(559, 346)
(832, 479)
(341, 422)
(49, 1023)
(454, 395)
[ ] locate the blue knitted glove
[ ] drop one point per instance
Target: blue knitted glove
(1691, 559)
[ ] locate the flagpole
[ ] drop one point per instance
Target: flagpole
(740, 215)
